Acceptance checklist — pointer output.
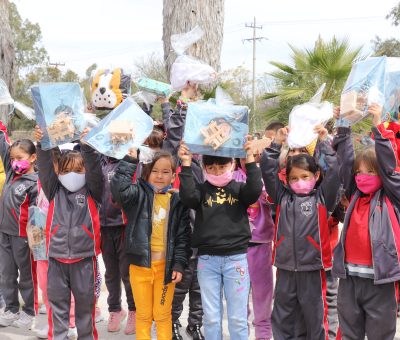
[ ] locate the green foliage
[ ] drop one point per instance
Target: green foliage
(394, 15)
(27, 37)
(327, 62)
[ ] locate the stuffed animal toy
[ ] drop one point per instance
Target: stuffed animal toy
(109, 88)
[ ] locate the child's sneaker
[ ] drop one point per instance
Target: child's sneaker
(115, 319)
(24, 321)
(72, 333)
(98, 316)
(42, 333)
(42, 309)
(130, 327)
(194, 332)
(7, 318)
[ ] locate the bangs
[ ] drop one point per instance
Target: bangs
(70, 160)
(368, 157)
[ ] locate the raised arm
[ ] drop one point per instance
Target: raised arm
(388, 162)
(343, 145)
(123, 190)
(93, 173)
(5, 148)
(47, 175)
(330, 185)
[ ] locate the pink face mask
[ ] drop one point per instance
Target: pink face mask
(303, 187)
(368, 184)
(221, 180)
(21, 167)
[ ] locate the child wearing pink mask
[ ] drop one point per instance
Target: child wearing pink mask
(367, 258)
(221, 234)
(302, 249)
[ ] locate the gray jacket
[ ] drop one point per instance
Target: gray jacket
(19, 193)
(301, 241)
(73, 223)
(384, 228)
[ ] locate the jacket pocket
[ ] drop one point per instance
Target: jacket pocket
(81, 240)
(54, 230)
(313, 242)
(88, 231)
(278, 243)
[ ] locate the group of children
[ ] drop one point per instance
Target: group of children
(211, 227)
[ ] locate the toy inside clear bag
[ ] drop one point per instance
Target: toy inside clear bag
(303, 119)
(127, 126)
(364, 86)
(186, 68)
(36, 232)
(217, 127)
(59, 111)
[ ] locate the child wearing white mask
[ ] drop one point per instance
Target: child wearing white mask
(72, 236)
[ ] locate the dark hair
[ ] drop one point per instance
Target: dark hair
(147, 168)
(210, 160)
(368, 157)
(274, 125)
(70, 158)
(302, 161)
(156, 138)
(25, 145)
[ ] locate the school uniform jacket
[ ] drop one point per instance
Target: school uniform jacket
(73, 223)
(301, 240)
(111, 213)
(19, 193)
(384, 216)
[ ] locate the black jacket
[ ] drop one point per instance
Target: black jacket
(137, 202)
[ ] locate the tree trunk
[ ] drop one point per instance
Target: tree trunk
(7, 54)
(180, 16)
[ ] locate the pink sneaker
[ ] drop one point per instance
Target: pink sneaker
(130, 327)
(115, 319)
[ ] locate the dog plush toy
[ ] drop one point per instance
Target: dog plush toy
(109, 88)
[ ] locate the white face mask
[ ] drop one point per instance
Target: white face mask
(72, 181)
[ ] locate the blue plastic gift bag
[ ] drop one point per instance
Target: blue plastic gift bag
(392, 90)
(59, 111)
(216, 129)
(36, 232)
(127, 126)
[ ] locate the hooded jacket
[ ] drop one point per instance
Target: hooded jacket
(137, 201)
(384, 216)
(73, 223)
(19, 193)
(301, 241)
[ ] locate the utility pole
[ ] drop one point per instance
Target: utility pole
(56, 64)
(254, 39)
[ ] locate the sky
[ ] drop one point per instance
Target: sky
(118, 32)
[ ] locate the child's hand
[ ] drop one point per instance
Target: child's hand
(185, 155)
(83, 134)
(282, 135)
(176, 277)
(336, 112)
(132, 152)
(376, 111)
(248, 147)
(321, 131)
(189, 92)
(38, 134)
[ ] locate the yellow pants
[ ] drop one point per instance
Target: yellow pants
(153, 300)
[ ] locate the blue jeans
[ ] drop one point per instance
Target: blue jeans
(231, 274)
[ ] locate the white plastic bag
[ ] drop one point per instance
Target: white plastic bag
(303, 119)
(185, 68)
(5, 97)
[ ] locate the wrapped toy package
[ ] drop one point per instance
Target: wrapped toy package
(303, 119)
(216, 128)
(186, 68)
(375, 80)
(36, 231)
(125, 127)
(108, 88)
(59, 111)
(153, 86)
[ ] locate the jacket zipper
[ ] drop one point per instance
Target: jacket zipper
(294, 233)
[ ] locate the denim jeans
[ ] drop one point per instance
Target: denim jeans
(229, 273)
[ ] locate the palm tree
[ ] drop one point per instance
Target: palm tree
(180, 16)
(328, 62)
